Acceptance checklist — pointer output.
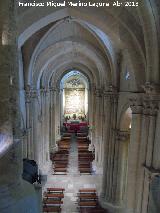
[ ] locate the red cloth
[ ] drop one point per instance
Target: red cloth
(75, 127)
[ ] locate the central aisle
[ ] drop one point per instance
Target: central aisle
(73, 181)
(73, 157)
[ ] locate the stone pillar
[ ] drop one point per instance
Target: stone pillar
(52, 120)
(135, 138)
(91, 116)
(106, 136)
(109, 137)
(112, 147)
(120, 167)
(98, 139)
(37, 114)
(57, 115)
(29, 117)
(45, 124)
(151, 101)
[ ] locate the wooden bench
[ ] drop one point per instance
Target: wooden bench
(85, 151)
(85, 154)
(88, 196)
(85, 170)
(87, 190)
(85, 157)
(83, 148)
(66, 138)
(57, 165)
(84, 166)
(52, 209)
(55, 189)
(58, 158)
(60, 162)
(83, 160)
(87, 203)
(53, 195)
(52, 202)
(60, 170)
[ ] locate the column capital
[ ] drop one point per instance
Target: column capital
(44, 91)
(152, 172)
(30, 93)
(150, 107)
(98, 92)
(111, 92)
(122, 135)
(136, 105)
(151, 88)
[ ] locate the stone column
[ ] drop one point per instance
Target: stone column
(91, 115)
(142, 157)
(37, 114)
(112, 147)
(52, 120)
(135, 138)
(110, 115)
(57, 115)
(106, 136)
(151, 102)
(46, 160)
(120, 167)
(29, 116)
(98, 139)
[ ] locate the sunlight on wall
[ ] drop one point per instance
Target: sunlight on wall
(5, 142)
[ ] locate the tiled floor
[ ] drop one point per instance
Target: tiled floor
(73, 181)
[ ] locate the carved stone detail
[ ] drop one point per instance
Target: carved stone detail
(98, 93)
(150, 107)
(136, 105)
(30, 93)
(111, 93)
(152, 172)
(122, 135)
(151, 88)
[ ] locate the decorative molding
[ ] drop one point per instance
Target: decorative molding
(151, 88)
(122, 135)
(98, 92)
(111, 93)
(152, 172)
(150, 107)
(30, 93)
(136, 105)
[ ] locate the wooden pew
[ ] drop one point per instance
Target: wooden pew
(60, 170)
(53, 195)
(60, 162)
(87, 203)
(58, 165)
(52, 209)
(85, 170)
(53, 190)
(52, 202)
(60, 158)
(88, 196)
(87, 190)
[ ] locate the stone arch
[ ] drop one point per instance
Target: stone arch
(128, 38)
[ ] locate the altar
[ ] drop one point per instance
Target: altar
(76, 126)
